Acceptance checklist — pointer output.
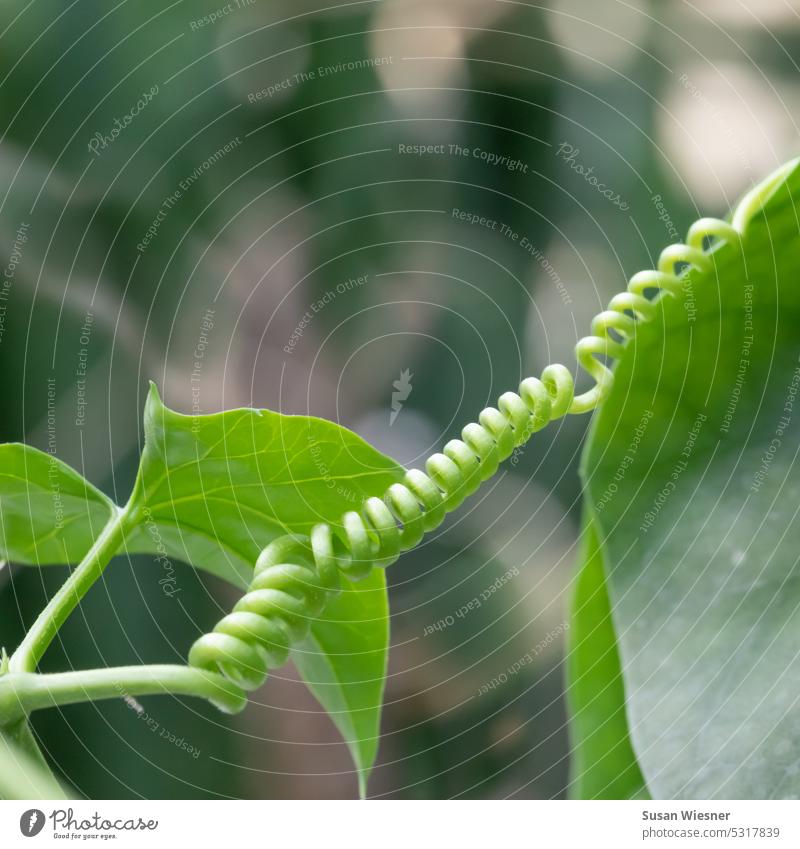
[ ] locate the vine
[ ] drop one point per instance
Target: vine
(294, 575)
(297, 574)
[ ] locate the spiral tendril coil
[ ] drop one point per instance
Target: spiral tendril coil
(295, 575)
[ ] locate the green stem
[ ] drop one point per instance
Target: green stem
(20, 733)
(45, 628)
(23, 692)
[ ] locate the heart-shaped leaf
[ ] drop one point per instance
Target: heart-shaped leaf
(694, 459)
(213, 491)
(216, 489)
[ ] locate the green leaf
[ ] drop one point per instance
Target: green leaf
(213, 491)
(343, 661)
(23, 776)
(216, 489)
(49, 514)
(692, 471)
(603, 765)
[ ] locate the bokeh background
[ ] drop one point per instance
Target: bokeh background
(587, 134)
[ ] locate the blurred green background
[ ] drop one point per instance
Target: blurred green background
(201, 174)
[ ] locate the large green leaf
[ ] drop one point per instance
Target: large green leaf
(603, 763)
(343, 662)
(48, 512)
(217, 488)
(699, 524)
(213, 490)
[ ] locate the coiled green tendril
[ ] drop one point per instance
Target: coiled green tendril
(295, 575)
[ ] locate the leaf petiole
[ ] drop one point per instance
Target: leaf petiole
(23, 692)
(44, 629)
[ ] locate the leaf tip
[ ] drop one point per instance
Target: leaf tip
(153, 404)
(153, 395)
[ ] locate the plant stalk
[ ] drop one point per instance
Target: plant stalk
(30, 651)
(23, 692)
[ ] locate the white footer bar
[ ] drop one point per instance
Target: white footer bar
(402, 825)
